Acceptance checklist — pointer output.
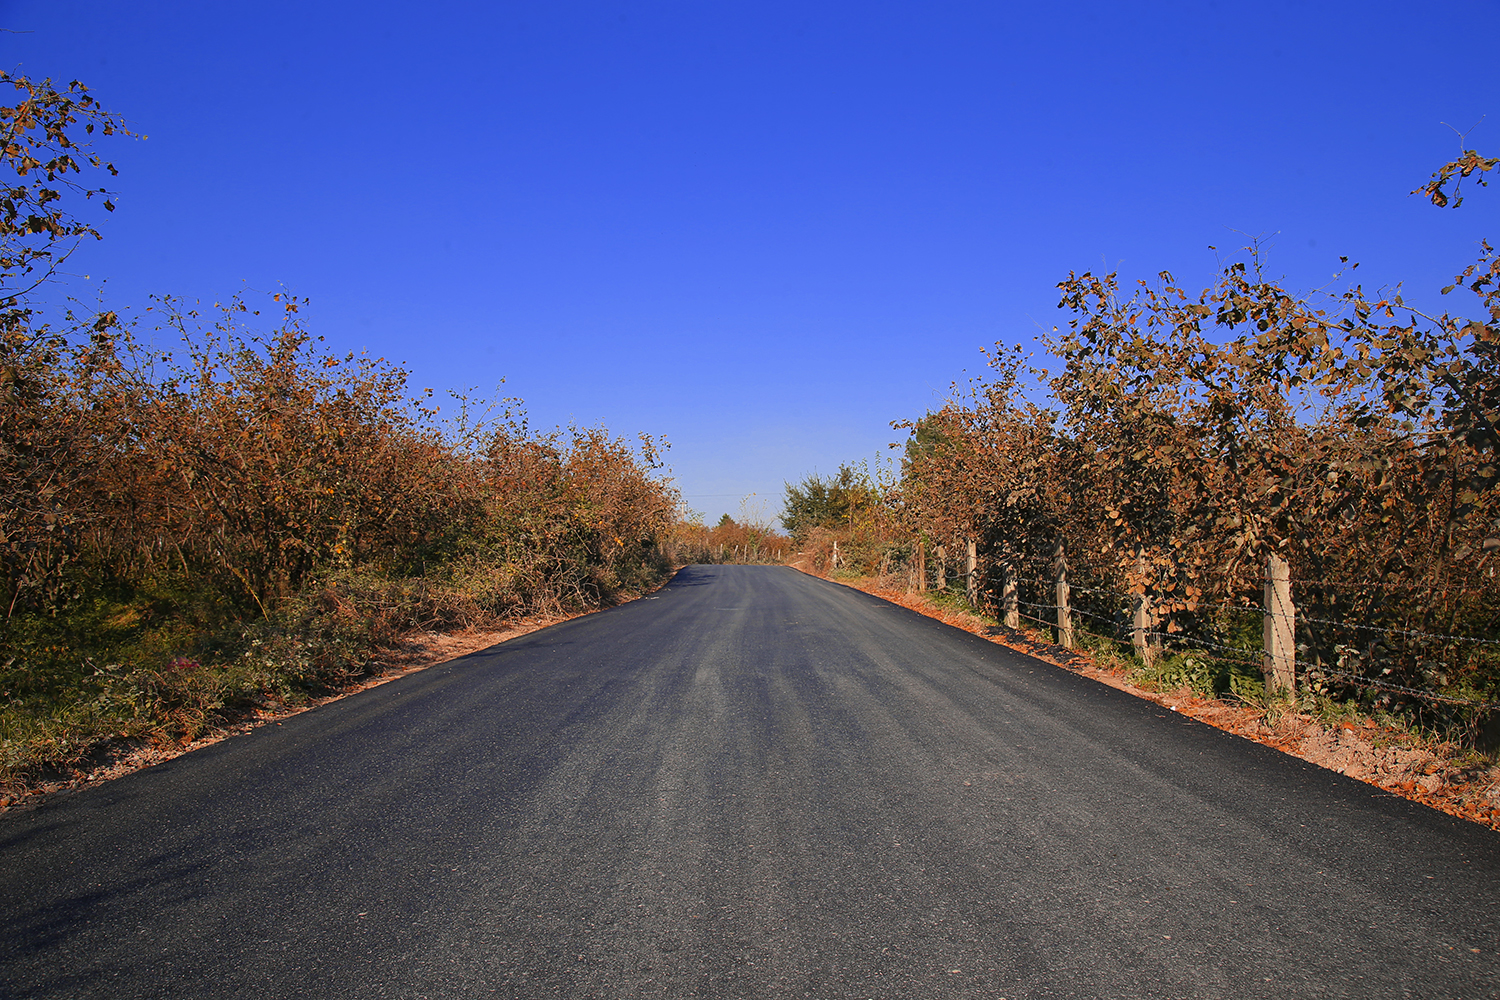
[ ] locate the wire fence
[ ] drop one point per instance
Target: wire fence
(1197, 625)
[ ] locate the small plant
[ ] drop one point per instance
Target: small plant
(1176, 671)
(1247, 688)
(1273, 706)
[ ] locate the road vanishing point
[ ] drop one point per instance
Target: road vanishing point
(753, 783)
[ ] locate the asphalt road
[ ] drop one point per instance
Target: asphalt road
(752, 784)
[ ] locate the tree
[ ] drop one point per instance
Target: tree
(46, 145)
(46, 438)
(826, 503)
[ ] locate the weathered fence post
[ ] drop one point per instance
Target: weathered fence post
(1064, 612)
(942, 567)
(1010, 598)
(833, 561)
(921, 568)
(971, 574)
(1280, 664)
(1141, 622)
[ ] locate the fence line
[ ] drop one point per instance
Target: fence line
(1192, 607)
(1313, 668)
(1277, 659)
(1392, 630)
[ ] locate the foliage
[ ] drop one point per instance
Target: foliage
(827, 503)
(1189, 436)
(1176, 672)
(258, 458)
(243, 517)
(752, 539)
(270, 513)
(1468, 163)
(987, 464)
(46, 145)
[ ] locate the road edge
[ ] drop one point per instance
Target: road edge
(1457, 791)
(412, 653)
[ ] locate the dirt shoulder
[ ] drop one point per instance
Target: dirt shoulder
(1442, 775)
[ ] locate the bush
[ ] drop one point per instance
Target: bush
(187, 535)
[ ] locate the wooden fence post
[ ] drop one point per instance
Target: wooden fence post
(942, 567)
(1280, 664)
(921, 568)
(1064, 612)
(833, 561)
(1141, 621)
(1010, 598)
(971, 574)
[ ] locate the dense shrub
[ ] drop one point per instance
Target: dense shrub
(1188, 437)
(224, 514)
(190, 533)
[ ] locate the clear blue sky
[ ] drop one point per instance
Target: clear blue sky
(763, 230)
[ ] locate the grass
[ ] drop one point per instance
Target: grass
(160, 666)
(951, 599)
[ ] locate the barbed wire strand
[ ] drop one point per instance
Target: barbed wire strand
(1180, 639)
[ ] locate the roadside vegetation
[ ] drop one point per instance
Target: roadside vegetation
(204, 512)
(752, 539)
(1382, 748)
(1184, 438)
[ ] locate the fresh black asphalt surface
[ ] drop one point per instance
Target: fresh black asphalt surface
(751, 784)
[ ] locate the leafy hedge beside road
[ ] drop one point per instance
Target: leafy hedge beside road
(245, 518)
(1187, 437)
(223, 514)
